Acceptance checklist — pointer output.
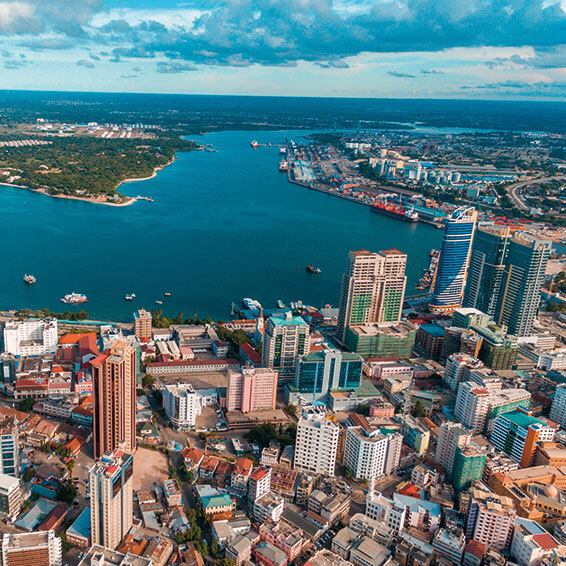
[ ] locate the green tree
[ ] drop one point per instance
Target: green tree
(148, 381)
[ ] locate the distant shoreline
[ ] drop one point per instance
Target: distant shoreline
(96, 200)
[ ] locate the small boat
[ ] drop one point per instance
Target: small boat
(29, 279)
(74, 299)
(313, 269)
(148, 199)
(281, 304)
(158, 302)
(130, 297)
(282, 150)
(283, 166)
(254, 144)
(167, 294)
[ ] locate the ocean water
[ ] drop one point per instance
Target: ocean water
(223, 226)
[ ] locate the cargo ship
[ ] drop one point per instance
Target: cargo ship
(396, 211)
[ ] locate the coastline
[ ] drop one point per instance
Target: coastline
(97, 200)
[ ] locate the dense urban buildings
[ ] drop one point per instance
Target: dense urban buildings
(30, 337)
(111, 498)
(251, 389)
(40, 549)
(459, 228)
(114, 380)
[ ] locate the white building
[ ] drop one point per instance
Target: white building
(558, 409)
(458, 368)
(371, 454)
(40, 548)
(531, 544)
(10, 496)
(183, 404)
(111, 499)
(472, 405)
(451, 436)
(30, 337)
(316, 444)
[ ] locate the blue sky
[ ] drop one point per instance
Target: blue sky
(368, 48)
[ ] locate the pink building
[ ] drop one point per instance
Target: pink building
(251, 389)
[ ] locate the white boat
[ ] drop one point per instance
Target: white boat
(74, 298)
(254, 144)
(168, 294)
(158, 302)
(29, 279)
(130, 297)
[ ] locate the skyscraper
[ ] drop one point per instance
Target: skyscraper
(285, 338)
(454, 259)
(111, 498)
(373, 289)
(114, 380)
(142, 325)
(487, 265)
(523, 277)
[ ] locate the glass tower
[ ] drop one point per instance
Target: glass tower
(487, 265)
(452, 269)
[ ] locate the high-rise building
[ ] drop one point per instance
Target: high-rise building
(373, 289)
(321, 372)
(532, 544)
(517, 434)
(458, 367)
(523, 277)
(370, 453)
(10, 496)
(558, 409)
(468, 467)
(316, 444)
(284, 339)
(30, 337)
(9, 447)
(472, 405)
(142, 325)
(114, 380)
(251, 389)
(487, 264)
(38, 548)
(451, 436)
(498, 349)
(182, 405)
(490, 518)
(111, 498)
(454, 259)
(466, 317)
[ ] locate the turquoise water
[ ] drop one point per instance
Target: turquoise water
(223, 226)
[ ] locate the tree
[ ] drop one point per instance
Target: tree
(291, 410)
(26, 405)
(419, 409)
(215, 549)
(148, 381)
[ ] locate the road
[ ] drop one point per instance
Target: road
(514, 190)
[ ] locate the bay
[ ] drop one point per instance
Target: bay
(222, 226)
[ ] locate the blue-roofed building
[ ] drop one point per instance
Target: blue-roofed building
(452, 270)
(78, 534)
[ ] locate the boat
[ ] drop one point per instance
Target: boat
(254, 144)
(281, 304)
(283, 166)
(130, 297)
(313, 269)
(396, 211)
(148, 199)
(251, 304)
(167, 294)
(29, 279)
(283, 150)
(74, 299)
(158, 302)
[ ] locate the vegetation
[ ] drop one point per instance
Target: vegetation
(159, 320)
(88, 166)
(148, 381)
(26, 405)
(67, 491)
(263, 434)
(46, 313)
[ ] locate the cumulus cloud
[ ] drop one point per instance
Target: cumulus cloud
(432, 72)
(400, 75)
(336, 64)
(15, 64)
(85, 63)
(523, 88)
(167, 67)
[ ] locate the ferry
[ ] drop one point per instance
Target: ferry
(396, 211)
(313, 269)
(74, 299)
(29, 279)
(251, 304)
(130, 297)
(254, 143)
(283, 166)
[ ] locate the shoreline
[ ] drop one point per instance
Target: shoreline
(96, 200)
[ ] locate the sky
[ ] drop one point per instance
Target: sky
(494, 49)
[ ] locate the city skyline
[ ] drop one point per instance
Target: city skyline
(327, 48)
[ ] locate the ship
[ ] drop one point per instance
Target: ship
(396, 211)
(313, 269)
(283, 166)
(148, 199)
(158, 302)
(283, 150)
(29, 279)
(130, 297)
(74, 299)
(254, 143)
